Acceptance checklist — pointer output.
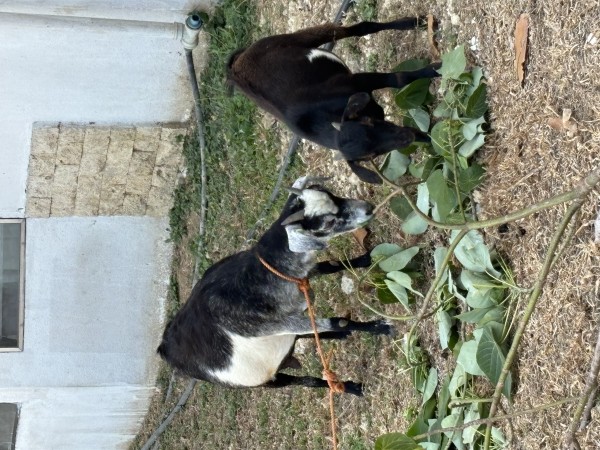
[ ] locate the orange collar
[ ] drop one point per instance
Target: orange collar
(303, 283)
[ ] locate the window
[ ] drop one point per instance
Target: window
(9, 414)
(12, 251)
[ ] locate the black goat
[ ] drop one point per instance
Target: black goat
(240, 324)
(308, 88)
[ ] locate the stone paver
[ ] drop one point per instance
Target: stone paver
(80, 170)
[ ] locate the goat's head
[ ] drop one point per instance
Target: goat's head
(317, 215)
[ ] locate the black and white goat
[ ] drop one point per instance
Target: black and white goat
(309, 88)
(240, 324)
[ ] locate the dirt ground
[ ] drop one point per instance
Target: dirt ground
(526, 160)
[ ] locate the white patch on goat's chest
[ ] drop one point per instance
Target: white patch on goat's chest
(317, 203)
(318, 53)
(255, 360)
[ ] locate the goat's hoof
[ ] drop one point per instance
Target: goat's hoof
(384, 327)
(364, 260)
(350, 387)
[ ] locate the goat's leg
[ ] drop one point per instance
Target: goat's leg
(283, 379)
(322, 34)
(300, 325)
(329, 267)
(372, 81)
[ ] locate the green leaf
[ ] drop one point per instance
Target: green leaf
(477, 103)
(385, 249)
(421, 118)
(429, 445)
(385, 296)
(395, 165)
(403, 280)
(498, 438)
(419, 426)
(469, 147)
(453, 63)
(458, 380)
(411, 65)
(430, 385)
(443, 110)
(423, 169)
(495, 328)
(446, 136)
(467, 358)
(395, 441)
(439, 137)
(413, 94)
(494, 315)
(443, 398)
(418, 378)
(400, 207)
(472, 127)
(476, 76)
(440, 194)
(490, 359)
(399, 292)
(453, 420)
(471, 415)
(444, 326)
(470, 178)
(399, 260)
(473, 254)
(428, 408)
(438, 257)
(413, 223)
(475, 315)
(480, 289)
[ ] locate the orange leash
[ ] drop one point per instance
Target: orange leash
(335, 386)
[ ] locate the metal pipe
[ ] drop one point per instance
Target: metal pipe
(172, 30)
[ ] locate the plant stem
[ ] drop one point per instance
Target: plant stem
(386, 200)
(586, 401)
(491, 420)
(581, 189)
(382, 314)
(423, 311)
(535, 295)
(455, 173)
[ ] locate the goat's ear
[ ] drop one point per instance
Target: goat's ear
(293, 218)
(295, 191)
(300, 240)
(356, 103)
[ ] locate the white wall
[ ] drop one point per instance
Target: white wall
(95, 286)
(78, 418)
(95, 296)
(72, 75)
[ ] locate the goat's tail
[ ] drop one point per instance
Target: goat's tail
(230, 78)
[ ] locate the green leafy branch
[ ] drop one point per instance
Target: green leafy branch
(481, 286)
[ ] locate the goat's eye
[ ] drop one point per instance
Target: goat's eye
(329, 223)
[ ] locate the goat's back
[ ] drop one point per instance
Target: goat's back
(277, 71)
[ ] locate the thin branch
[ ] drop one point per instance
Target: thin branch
(582, 413)
(591, 180)
(386, 200)
(382, 314)
(455, 173)
(491, 420)
(581, 191)
(424, 306)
